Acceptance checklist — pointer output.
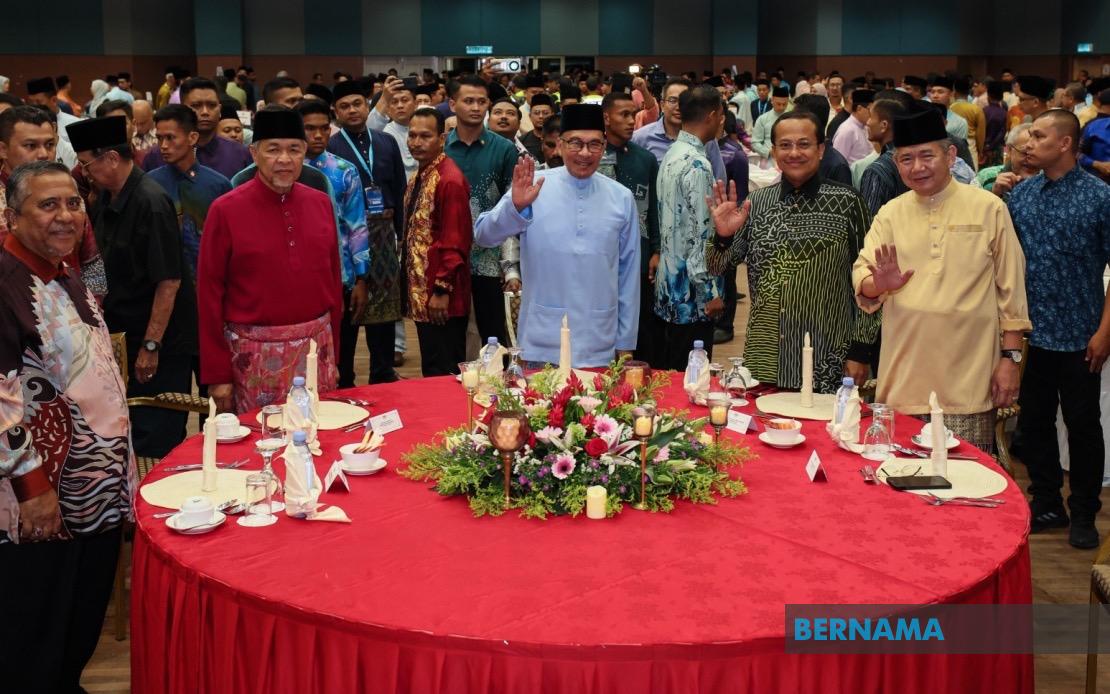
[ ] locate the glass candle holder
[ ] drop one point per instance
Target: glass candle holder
(470, 373)
(718, 403)
(508, 432)
(643, 425)
(636, 373)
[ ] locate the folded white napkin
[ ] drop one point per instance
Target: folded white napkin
(294, 419)
(699, 388)
(938, 457)
(846, 433)
(208, 457)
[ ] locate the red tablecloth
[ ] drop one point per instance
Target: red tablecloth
(417, 595)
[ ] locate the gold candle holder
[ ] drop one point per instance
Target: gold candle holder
(718, 413)
(643, 425)
(469, 373)
(508, 431)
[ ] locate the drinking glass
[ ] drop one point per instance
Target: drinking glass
(737, 381)
(259, 510)
(881, 411)
(514, 374)
(267, 448)
(877, 442)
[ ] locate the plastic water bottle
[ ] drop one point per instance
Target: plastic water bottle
(843, 395)
(487, 353)
(300, 397)
(301, 446)
(696, 362)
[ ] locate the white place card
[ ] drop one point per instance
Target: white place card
(336, 473)
(739, 422)
(386, 422)
(814, 470)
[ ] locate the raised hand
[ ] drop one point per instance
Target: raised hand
(728, 217)
(525, 188)
(885, 273)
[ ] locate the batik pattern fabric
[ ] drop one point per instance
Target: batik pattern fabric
(977, 429)
(265, 358)
(799, 246)
(420, 201)
(350, 208)
(684, 284)
(1064, 229)
(63, 412)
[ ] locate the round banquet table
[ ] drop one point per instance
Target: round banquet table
(418, 595)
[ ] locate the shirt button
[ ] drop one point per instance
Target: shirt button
(292, 243)
(286, 214)
(289, 228)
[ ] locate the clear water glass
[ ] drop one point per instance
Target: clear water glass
(259, 511)
(878, 444)
(881, 411)
(514, 374)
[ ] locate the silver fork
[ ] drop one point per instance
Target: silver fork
(197, 466)
(935, 500)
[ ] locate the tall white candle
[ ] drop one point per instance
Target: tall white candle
(595, 502)
(208, 451)
(564, 350)
(807, 373)
(939, 455)
(311, 369)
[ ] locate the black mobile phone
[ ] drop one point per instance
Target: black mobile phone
(411, 83)
(911, 483)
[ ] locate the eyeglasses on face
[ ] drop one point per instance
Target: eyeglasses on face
(576, 145)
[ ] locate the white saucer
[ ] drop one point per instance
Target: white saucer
(378, 466)
(244, 432)
(256, 521)
(217, 520)
(916, 438)
(763, 437)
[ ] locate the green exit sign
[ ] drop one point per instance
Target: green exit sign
(479, 50)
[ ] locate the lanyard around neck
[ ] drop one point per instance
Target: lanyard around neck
(367, 167)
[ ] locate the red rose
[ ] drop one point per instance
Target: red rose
(595, 448)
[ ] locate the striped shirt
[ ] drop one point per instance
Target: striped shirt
(799, 245)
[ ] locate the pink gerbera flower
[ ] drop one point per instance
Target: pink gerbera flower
(563, 466)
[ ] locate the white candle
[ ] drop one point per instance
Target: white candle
(208, 451)
(595, 502)
(939, 455)
(718, 415)
(643, 425)
(311, 369)
(564, 350)
(470, 379)
(807, 373)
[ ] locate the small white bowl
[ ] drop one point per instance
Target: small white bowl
(227, 425)
(195, 510)
(359, 461)
(785, 434)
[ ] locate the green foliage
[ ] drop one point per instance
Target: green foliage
(552, 478)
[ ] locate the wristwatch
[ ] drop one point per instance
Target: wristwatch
(152, 345)
(1013, 355)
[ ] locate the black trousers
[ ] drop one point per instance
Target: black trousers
(1064, 378)
(489, 308)
(727, 319)
(649, 333)
(52, 601)
(442, 347)
(678, 340)
(379, 340)
(154, 431)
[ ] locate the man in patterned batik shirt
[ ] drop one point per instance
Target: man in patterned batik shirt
(1062, 217)
(688, 297)
(799, 239)
(66, 469)
(487, 161)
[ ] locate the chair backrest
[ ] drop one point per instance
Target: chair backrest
(119, 348)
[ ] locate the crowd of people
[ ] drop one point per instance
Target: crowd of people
(918, 231)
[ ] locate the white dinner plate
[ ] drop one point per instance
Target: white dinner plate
(217, 520)
(774, 444)
(243, 433)
(918, 441)
(378, 466)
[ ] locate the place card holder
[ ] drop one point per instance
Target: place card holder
(740, 422)
(814, 470)
(335, 472)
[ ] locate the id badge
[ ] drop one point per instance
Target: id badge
(374, 201)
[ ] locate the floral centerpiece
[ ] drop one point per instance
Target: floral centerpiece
(582, 435)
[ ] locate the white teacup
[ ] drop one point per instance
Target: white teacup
(927, 434)
(359, 461)
(196, 510)
(227, 425)
(782, 430)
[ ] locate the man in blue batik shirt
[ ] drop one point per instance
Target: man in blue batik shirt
(1062, 217)
(687, 296)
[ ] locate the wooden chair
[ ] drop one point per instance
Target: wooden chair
(1100, 595)
(182, 402)
(1001, 440)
